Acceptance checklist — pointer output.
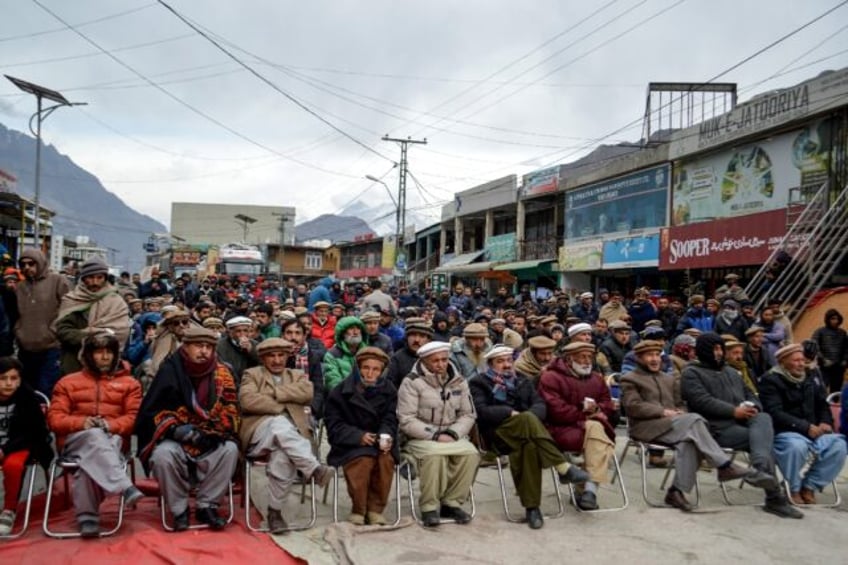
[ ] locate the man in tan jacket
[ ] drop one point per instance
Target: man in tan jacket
(436, 414)
(275, 403)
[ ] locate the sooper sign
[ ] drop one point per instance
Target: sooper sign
(625, 203)
(753, 178)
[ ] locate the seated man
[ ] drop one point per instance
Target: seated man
(275, 403)
(92, 414)
(436, 414)
(803, 425)
(656, 414)
(418, 332)
(236, 349)
(579, 409)
(23, 436)
(187, 426)
(716, 391)
(510, 414)
(533, 359)
(362, 430)
(339, 360)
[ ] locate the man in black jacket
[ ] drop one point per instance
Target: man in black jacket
(509, 416)
(833, 349)
(736, 420)
(418, 332)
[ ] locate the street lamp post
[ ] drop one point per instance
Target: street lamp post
(398, 213)
(40, 115)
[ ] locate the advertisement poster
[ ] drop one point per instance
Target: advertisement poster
(753, 178)
(500, 247)
(724, 243)
(539, 182)
(581, 257)
(625, 203)
(631, 252)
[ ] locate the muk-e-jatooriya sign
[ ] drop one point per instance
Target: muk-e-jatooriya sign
(731, 242)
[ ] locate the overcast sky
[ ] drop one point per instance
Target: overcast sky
(496, 87)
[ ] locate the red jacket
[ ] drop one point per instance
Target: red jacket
(563, 393)
(326, 333)
(79, 395)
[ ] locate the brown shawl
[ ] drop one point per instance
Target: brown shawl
(528, 365)
(105, 310)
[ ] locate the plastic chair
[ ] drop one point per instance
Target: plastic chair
(336, 496)
(625, 501)
(70, 466)
(250, 462)
(405, 470)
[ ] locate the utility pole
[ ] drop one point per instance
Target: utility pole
(244, 221)
(400, 216)
(283, 219)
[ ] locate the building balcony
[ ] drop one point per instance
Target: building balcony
(539, 249)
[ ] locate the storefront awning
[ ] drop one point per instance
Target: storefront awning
(469, 268)
(528, 268)
(460, 261)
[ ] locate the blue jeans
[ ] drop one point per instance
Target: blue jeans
(791, 450)
(41, 368)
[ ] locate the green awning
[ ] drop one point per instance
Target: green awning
(531, 269)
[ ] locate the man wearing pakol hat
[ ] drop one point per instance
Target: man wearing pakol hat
(731, 289)
(236, 349)
(735, 357)
(468, 354)
(579, 409)
(585, 308)
(175, 321)
(418, 333)
(510, 414)
(362, 429)
(729, 321)
(614, 309)
(641, 310)
(696, 317)
(757, 357)
(735, 416)
(373, 337)
(535, 357)
(92, 306)
(803, 425)
(275, 406)
(612, 351)
(436, 413)
(656, 413)
(187, 427)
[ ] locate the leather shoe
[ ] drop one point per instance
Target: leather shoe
(458, 515)
(808, 496)
(676, 499)
(796, 499)
(534, 518)
(210, 517)
(574, 475)
(89, 529)
(181, 521)
(587, 501)
(430, 519)
(780, 507)
(732, 472)
(657, 461)
(276, 523)
(761, 479)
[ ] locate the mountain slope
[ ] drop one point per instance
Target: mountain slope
(332, 227)
(82, 203)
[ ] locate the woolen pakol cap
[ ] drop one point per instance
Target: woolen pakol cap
(274, 344)
(498, 351)
(577, 347)
(195, 334)
(433, 347)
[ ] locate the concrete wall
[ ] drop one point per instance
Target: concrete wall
(216, 224)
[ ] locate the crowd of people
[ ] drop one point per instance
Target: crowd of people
(437, 384)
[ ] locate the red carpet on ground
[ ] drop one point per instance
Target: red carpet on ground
(141, 540)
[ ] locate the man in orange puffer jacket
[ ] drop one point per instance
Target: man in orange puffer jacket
(93, 414)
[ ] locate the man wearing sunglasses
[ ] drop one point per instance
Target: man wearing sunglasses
(169, 334)
(38, 297)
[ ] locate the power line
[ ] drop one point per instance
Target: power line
(81, 24)
(252, 71)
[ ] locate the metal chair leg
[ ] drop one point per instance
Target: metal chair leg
(622, 490)
(397, 496)
(29, 481)
(415, 514)
(643, 451)
(313, 518)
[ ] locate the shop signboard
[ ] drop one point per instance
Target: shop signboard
(730, 242)
(631, 252)
(753, 178)
(543, 181)
(500, 247)
(633, 201)
(581, 257)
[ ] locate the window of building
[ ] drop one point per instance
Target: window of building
(314, 260)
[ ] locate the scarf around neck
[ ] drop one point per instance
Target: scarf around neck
(501, 383)
(788, 377)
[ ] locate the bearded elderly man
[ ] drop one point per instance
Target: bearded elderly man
(716, 391)
(468, 354)
(169, 334)
(436, 414)
(275, 403)
(533, 360)
(236, 349)
(656, 414)
(187, 426)
(579, 410)
(92, 306)
(418, 332)
(510, 414)
(803, 425)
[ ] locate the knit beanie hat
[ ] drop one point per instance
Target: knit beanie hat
(94, 266)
